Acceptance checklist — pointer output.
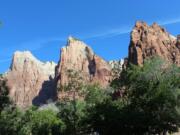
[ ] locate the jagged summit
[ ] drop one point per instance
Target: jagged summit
(72, 40)
(147, 41)
(80, 57)
(142, 24)
(21, 58)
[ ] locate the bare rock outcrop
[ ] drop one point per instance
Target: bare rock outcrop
(81, 58)
(147, 41)
(117, 67)
(30, 81)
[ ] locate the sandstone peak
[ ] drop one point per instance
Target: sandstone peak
(147, 41)
(21, 57)
(28, 78)
(140, 24)
(79, 57)
(23, 53)
(26, 57)
(72, 40)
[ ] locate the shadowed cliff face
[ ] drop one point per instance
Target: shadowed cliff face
(26, 79)
(147, 41)
(79, 57)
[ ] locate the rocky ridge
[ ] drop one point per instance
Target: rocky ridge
(147, 41)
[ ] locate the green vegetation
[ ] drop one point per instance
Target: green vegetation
(149, 105)
(33, 121)
(144, 101)
(44, 122)
(4, 98)
(154, 95)
(10, 121)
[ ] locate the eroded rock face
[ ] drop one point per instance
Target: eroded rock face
(147, 41)
(117, 67)
(117, 63)
(81, 58)
(30, 81)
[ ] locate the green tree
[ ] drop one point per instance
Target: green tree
(44, 122)
(154, 95)
(73, 119)
(10, 121)
(79, 118)
(71, 105)
(94, 98)
(4, 98)
(149, 105)
(74, 86)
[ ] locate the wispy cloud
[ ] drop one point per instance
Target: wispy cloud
(169, 21)
(109, 33)
(127, 29)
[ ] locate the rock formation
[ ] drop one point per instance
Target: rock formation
(33, 82)
(117, 67)
(79, 57)
(30, 81)
(147, 41)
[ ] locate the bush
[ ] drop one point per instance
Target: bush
(10, 121)
(4, 98)
(44, 122)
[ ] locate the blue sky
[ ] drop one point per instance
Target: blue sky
(42, 26)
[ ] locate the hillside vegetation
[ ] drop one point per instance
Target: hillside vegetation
(143, 100)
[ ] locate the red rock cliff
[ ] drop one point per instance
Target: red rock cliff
(79, 57)
(147, 41)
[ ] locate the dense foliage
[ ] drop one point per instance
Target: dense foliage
(143, 101)
(4, 99)
(154, 95)
(33, 121)
(150, 103)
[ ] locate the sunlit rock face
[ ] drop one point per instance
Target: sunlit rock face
(147, 41)
(117, 64)
(117, 67)
(79, 57)
(30, 81)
